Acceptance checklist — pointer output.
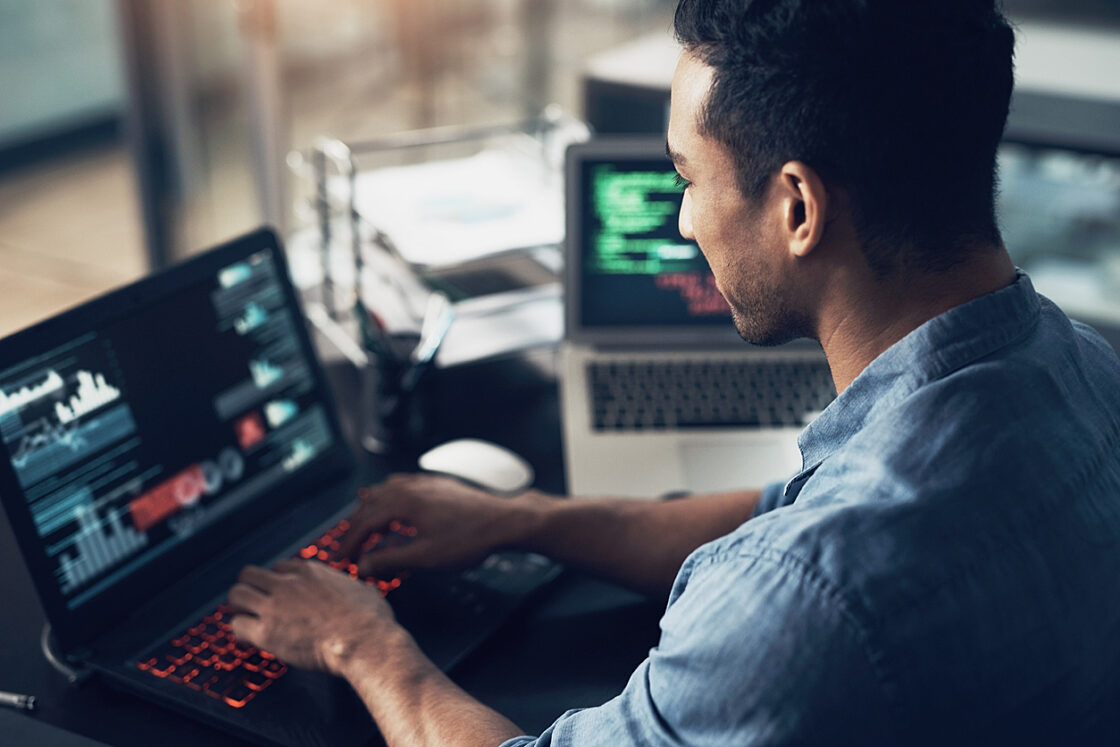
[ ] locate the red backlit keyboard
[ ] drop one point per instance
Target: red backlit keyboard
(207, 658)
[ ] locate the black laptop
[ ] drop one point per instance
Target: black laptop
(161, 437)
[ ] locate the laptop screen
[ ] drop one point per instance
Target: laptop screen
(636, 268)
(151, 416)
(631, 278)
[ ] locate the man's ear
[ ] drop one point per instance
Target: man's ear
(804, 202)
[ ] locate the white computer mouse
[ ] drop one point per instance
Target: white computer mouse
(482, 463)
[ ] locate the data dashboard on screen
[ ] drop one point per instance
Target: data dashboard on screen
(131, 437)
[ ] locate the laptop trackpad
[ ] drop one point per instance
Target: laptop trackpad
(718, 465)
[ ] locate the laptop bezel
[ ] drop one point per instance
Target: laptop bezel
(74, 628)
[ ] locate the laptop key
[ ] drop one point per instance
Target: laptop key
(206, 658)
(194, 679)
(180, 657)
(238, 696)
(195, 644)
(184, 673)
(207, 630)
(274, 669)
(256, 680)
(254, 661)
(228, 660)
(244, 650)
(219, 683)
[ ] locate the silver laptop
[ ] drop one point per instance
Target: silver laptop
(659, 394)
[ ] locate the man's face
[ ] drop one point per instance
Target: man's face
(738, 237)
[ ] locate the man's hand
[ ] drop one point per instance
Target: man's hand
(315, 617)
(639, 544)
(456, 525)
(309, 614)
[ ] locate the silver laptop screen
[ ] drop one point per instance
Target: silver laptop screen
(636, 269)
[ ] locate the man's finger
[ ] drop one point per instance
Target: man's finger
(261, 578)
(245, 598)
(350, 544)
(371, 518)
(248, 629)
(389, 560)
(293, 565)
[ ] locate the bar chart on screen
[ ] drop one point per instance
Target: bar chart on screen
(99, 543)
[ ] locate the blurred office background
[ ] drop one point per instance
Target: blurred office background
(133, 132)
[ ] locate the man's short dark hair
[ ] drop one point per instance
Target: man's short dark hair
(901, 103)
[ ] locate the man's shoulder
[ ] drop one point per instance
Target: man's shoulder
(937, 586)
(1028, 417)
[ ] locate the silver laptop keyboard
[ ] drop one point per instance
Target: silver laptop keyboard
(660, 394)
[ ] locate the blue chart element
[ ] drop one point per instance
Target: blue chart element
(49, 449)
(302, 452)
(308, 435)
(266, 381)
(253, 317)
(278, 412)
(234, 274)
(97, 545)
(265, 374)
(53, 514)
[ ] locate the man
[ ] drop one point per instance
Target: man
(946, 567)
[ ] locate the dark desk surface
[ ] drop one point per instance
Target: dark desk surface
(580, 640)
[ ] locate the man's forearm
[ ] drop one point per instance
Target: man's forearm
(639, 544)
(413, 702)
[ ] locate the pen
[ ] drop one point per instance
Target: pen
(16, 700)
(437, 320)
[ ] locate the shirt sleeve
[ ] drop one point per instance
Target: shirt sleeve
(754, 651)
(772, 496)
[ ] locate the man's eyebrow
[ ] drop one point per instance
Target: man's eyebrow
(675, 157)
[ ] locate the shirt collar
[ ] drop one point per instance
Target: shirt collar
(942, 345)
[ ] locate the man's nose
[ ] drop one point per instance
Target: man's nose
(684, 220)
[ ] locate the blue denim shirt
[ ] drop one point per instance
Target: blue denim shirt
(945, 569)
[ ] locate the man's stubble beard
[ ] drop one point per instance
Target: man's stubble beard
(760, 308)
(764, 318)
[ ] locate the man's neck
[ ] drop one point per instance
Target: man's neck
(870, 314)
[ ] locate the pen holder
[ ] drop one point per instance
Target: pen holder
(392, 406)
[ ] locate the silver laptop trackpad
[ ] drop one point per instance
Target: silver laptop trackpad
(732, 464)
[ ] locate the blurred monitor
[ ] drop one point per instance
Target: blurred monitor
(1059, 212)
(1059, 203)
